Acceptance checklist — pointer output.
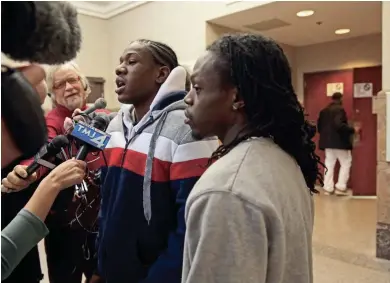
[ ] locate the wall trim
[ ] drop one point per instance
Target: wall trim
(106, 12)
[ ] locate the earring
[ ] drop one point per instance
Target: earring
(235, 108)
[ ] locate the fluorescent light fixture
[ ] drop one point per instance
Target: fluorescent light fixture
(305, 13)
(342, 31)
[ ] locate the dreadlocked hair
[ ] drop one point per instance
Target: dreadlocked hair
(163, 55)
(260, 71)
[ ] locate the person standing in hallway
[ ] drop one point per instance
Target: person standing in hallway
(153, 162)
(249, 217)
(336, 137)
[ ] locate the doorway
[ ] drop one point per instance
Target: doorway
(363, 172)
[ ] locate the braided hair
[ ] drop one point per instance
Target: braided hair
(260, 71)
(163, 55)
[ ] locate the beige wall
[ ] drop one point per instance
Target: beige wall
(386, 45)
(343, 54)
(184, 31)
(180, 24)
(93, 57)
(104, 40)
(213, 32)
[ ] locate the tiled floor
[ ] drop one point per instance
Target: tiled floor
(343, 242)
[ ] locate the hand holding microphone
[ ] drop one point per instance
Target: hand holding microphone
(22, 176)
(18, 179)
(67, 174)
(80, 116)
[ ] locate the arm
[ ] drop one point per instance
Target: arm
(27, 228)
(14, 243)
(319, 123)
(226, 240)
(185, 171)
(341, 122)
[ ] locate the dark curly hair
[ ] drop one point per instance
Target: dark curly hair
(258, 68)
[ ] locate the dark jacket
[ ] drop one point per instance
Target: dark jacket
(151, 168)
(334, 129)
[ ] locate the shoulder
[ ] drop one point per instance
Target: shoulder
(52, 113)
(222, 174)
(53, 119)
(219, 204)
(253, 167)
(115, 124)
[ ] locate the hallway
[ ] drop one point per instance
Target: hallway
(343, 242)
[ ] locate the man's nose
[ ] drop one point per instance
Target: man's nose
(120, 70)
(188, 99)
(68, 86)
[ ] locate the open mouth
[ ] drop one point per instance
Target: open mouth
(120, 84)
(187, 120)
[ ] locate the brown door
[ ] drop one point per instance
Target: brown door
(364, 153)
(97, 89)
(363, 171)
(315, 99)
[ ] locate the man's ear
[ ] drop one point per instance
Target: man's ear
(162, 74)
(237, 102)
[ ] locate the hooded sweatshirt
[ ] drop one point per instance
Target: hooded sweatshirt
(151, 168)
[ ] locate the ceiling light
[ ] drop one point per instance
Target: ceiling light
(305, 13)
(342, 31)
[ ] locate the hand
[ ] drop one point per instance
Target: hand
(68, 123)
(357, 127)
(14, 182)
(76, 114)
(67, 174)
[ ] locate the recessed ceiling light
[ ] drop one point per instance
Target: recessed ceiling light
(342, 31)
(305, 13)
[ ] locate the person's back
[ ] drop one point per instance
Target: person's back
(332, 127)
(281, 215)
(336, 140)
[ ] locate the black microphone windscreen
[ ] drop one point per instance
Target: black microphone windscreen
(43, 32)
(59, 142)
(100, 122)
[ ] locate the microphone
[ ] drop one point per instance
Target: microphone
(46, 152)
(100, 103)
(41, 32)
(92, 137)
(45, 32)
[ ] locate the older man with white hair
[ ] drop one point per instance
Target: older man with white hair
(69, 249)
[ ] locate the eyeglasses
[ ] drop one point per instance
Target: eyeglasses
(61, 84)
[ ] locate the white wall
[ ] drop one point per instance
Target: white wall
(343, 54)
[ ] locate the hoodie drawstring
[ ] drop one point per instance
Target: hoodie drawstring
(149, 168)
